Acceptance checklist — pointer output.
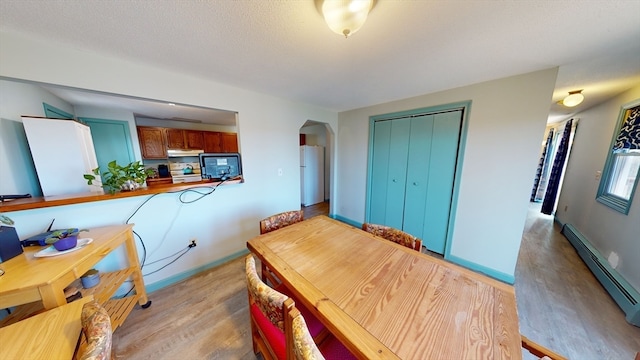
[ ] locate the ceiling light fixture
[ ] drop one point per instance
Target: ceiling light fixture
(345, 17)
(573, 99)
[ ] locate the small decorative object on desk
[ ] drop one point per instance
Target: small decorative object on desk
(64, 239)
(90, 279)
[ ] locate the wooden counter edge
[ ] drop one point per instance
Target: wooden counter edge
(50, 201)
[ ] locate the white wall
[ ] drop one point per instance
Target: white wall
(223, 221)
(506, 122)
(17, 99)
(608, 230)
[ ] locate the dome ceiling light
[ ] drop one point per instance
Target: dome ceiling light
(345, 17)
(573, 99)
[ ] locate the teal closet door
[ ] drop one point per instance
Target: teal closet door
(111, 140)
(389, 168)
(380, 171)
(442, 165)
(418, 171)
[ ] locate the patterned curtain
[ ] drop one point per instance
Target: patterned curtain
(629, 137)
(549, 202)
(543, 159)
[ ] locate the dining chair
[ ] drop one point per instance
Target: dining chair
(267, 308)
(96, 328)
(302, 345)
(393, 234)
(539, 350)
(272, 223)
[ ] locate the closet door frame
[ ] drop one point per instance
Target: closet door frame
(465, 107)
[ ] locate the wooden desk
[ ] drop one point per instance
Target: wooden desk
(41, 281)
(53, 334)
(383, 300)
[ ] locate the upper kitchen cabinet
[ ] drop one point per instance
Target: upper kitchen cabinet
(185, 139)
(153, 143)
(175, 139)
(220, 142)
(212, 142)
(194, 139)
(229, 142)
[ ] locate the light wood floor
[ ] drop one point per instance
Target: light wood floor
(560, 305)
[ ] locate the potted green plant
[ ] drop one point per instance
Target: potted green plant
(6, 220)
(117, 177)
(64, 239)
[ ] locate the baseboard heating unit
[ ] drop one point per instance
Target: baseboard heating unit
(620, 290)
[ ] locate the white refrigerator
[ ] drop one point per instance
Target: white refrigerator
(311, 174)
(62, 152)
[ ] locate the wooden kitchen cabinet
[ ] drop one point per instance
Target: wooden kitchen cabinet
(194, 139)
(185, 139)
(175, 139)
(229, 142)
(153, 143)
(220, 142)
(212, 142)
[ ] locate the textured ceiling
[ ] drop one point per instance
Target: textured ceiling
(406, 48)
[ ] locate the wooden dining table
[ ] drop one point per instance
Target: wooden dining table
(385, 301)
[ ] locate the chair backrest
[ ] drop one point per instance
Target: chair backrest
(302, 345)
(393, 234)
(268, 309)
(96, 327)
(539, 350)
(280, 220)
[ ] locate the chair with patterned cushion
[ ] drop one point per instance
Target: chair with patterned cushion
(302, 345)
(272, 223)
(96, 327)
(267, 308)
(540, 351)
(277, 221)
(395, 235)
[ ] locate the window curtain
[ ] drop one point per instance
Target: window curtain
(629, 136)
(550, 197)
(543, 159)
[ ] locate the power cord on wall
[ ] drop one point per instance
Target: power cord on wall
(209, 190)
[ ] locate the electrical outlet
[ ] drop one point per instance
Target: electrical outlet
(193, 243)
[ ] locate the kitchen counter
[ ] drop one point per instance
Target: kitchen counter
(49, 201)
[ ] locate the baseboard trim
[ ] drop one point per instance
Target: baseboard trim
(509, 279)
(181, 276)
(346, 220)
(625, 295)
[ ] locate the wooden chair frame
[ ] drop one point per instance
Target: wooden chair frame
(271, 224)
(539, 350)
(393, 234)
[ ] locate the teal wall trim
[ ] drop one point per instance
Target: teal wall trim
(346, 220)
(178, 277)
(557, 221)
(55, 113)
(625, 295)
(466, 108)
(509, 279)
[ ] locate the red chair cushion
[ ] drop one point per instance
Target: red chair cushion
(313, 324)
(273, 335)
(333, 349)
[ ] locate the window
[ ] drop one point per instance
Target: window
(622, 168)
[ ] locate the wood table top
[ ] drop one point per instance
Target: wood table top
(383, 300)
(27, 271)
(52, 334)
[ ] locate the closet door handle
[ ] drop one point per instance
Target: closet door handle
(415, 183)
(394, 180)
